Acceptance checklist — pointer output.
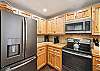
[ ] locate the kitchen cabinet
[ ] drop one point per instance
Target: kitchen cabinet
(56, 25)
(84, 13)
(51, 56)
(60, 24)
(87, 12)
(70, 16)
(58, 59)
(41, 56)
(49, 23)
(96, 63)
(53, 26)
(41, 26)
(55, 57)
(96, 19)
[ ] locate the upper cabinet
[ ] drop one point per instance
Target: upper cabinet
(56, 25)
(84, 13)
(70, 16)
(41, 26)
(96, 19)
(60, 24)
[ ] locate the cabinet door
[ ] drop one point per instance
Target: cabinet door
(51, 59)
(43, 26)
(39, 26)
(96, 20)
(58, 59)
(60, 25)
(49, 23)
(41, 57)
(96, 64)
(51, 56)
(53, 26)
(87, 12)
(70, 16)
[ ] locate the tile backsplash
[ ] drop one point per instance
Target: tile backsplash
(40, 39)
(62, 38)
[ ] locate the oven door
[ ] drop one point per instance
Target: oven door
(76, 62)
(11, 38)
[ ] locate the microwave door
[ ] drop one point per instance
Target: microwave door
(31, 37)
(11, 38)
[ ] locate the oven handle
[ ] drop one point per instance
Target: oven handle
(22, 64)
(82, 55)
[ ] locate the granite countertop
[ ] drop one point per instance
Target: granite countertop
(61, 45)
(58, 45)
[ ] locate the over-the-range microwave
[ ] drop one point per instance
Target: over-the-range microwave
(79, 26)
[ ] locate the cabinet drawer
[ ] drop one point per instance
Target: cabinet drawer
(40, 50)
(96, 68)
(96, 61)
(51, 49)
(58, 51)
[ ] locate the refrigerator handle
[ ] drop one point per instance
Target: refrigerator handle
(23, 64)
(24, 34)
(25, 29)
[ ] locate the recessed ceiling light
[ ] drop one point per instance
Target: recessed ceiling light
(44, 10)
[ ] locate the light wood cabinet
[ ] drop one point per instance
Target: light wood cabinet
(41, 26)
(49, 25)
(41, 56)
(53, 26)
(51, 56)
(55, 58)
(84, 13)
(58, 59)
(96, 20)
(60, 24)
(87, 12)
(96, 63)
(70, 16)
(56, 25)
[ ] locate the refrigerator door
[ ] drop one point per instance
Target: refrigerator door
(31, 37)
(11, 38)
(25, 65)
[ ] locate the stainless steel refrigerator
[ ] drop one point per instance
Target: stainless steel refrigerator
(18, 42)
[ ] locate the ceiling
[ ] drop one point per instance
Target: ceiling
(53, 7)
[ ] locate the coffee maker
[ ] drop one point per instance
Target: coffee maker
(56, 39)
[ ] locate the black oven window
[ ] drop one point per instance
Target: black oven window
(13, 50)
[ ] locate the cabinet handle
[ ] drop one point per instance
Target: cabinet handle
(98, 60)
(97, 68)
(98, 65)
(96, 54)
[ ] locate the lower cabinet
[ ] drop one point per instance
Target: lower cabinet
(58, 59)
(41, 57)
(55, 57)
(49, 55)
(96, 63)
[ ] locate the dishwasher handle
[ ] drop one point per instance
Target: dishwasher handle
(22, 64)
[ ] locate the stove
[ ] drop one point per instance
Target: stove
(77, 55)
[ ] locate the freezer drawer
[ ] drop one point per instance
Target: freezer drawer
(26, 65)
